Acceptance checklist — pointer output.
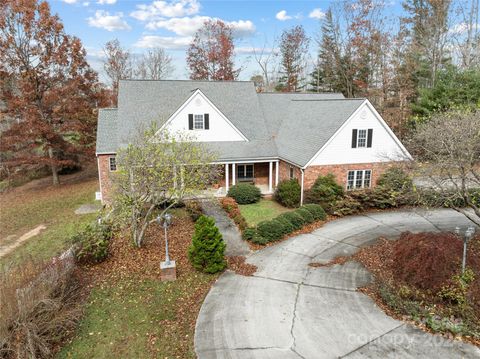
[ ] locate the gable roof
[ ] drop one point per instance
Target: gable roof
(292, 126)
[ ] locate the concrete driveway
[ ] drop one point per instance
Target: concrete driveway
(291, 310)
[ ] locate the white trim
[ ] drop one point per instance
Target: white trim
(227, 177)
(377, 116)
(277, 171)
(110, 163)
(243, 161)
(247, 164)
(355, 179)
(200, 93)
(301, 186)
(99, 177)
(234, 175)
(270, 175)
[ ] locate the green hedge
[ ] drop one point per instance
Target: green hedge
(288, 193)
(245, 193)
(317, 211)
(294, 218)
(91, 243)
(305, 214)
(325, 192)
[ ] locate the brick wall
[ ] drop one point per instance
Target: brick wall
(284, 173)
(340, 172)
(104, 175)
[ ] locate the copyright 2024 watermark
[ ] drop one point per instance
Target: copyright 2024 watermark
(404, 340)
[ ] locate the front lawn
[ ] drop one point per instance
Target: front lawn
(130, 313)
(263, 210)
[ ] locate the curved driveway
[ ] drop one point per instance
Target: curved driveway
(291, 310)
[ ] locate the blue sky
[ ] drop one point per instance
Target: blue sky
(140, 24)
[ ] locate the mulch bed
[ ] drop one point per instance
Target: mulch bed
(238, 265)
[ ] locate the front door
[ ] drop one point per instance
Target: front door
(245, 173)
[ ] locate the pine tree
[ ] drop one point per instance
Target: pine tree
(207, 251)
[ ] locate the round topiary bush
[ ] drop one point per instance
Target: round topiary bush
(287, 226)
(245, 193)
(294, 219)
(271, 230)
(305, 214)
(288, 193)
(207, 251)
(316, 210)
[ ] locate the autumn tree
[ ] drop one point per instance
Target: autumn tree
(47, 87)
(293, 49)
(117, 65)
(158, 169)
(266, 58)
(211, 54)
(155, 64)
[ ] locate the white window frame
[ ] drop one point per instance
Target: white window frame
(110, 165)
(363, 139)
(355, 178)
(244, 165)
(200, 120)
(291, 173)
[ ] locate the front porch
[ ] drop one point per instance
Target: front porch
(264, 174)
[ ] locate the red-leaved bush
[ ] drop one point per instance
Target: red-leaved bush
(429, 260)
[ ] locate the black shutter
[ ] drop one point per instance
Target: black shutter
(190, 121)
(369, 137)
(354, 138)
(207, 122)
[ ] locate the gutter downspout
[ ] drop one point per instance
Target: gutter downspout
(301, 185)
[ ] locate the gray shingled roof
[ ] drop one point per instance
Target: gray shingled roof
(291, 126)
(107, 131)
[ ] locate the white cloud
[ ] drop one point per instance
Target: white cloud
(187, 26)
(160, 9)
(175, 43)
(316, 14)
(70, 1)
(104, 20)
(282, 15)
(461, 28)
(250, 50)
(85, 3)
(106, 2)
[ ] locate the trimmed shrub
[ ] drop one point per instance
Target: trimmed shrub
(395, 179)
(325, 192)
(316, 210)
(258, 239)
(271, 230)
(91, 243)
(288, 193)
(346, 206)
(287, 226)
(249, 233)
(305, 214)
(295, 219)
(245, 193)
(207, 251)
(228, 204)
(231, 207)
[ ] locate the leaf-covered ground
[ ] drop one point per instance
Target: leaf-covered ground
(129, 312)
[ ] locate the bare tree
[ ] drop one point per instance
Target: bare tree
(447, 149)
(155, 64)
(117, 64)
(467, 34)
(267, 59)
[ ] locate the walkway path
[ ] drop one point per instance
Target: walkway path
(6, 249)
(236, 246)
(291, 310)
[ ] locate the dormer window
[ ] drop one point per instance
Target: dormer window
(198, 121)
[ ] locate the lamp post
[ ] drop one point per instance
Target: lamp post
(470, 231)
(168, 268)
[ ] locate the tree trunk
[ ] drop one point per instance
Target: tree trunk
(53, 167)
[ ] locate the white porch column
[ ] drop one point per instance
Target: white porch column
(234, 175)
(277, 171)
(227, 177)
(270, 170)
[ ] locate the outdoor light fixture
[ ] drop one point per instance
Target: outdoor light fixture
(168, 267)
(468, 235)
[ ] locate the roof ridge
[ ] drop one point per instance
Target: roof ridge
(329, 99)
(180, 80)
(299, 93)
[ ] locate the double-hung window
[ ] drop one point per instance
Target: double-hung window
(198, 123)
(245, 172)
(359, 179)
(362, 138)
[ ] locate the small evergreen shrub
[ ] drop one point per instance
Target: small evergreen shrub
(295, 219)
(325, 192)
(287, 226)
(258, 239)
(249, 233)
(207, 251)
(346, 206)
(245, 193)
(305, 214)
(288, 193)
(91, 243)
(316, 210)
(271, 230)
(395, 179)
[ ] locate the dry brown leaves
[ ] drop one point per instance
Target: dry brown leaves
(238, 265)
(337, 260)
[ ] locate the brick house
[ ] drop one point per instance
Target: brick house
(262, 138)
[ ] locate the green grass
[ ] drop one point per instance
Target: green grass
(138, 319)
(53, 207)
(261, 211)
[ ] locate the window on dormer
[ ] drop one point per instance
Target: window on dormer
(198, 123)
